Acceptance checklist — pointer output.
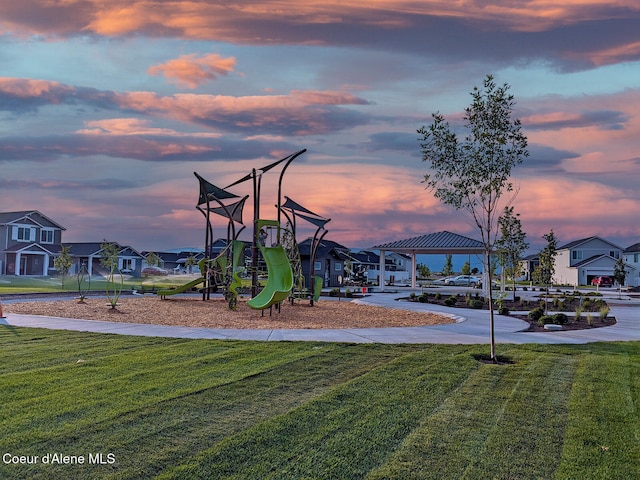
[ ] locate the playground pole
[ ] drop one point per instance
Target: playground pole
(254, 244)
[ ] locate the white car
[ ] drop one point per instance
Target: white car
(463, 280)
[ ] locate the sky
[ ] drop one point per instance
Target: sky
(108, 107)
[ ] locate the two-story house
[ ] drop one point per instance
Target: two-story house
(29, 243)
(631, 256)
(578, 262)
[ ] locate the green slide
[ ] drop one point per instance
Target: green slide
(279, 281)
(187, 286)
(238, 250)
(317, 287)
(183, 288)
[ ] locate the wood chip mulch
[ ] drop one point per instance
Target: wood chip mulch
(216, 314)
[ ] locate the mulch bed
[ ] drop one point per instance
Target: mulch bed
(566, 304)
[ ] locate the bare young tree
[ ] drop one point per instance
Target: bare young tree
(473, 173)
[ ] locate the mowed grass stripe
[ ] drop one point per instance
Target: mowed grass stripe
(603, 434)
(486, 428)
(81, 393)
(32, 348)
(150, 440)
(346, 432)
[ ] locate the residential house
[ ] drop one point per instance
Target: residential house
(527, 266)
(329, 261)
(176, 260)
(631, 256)
(90, 254)
(397, 266)
(578, 262)
(29, 243)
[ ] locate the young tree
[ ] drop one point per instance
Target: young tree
(466, 268)
(109, 259)
(511, 245)
(423, 270)
(543, 274)
(63, 263)
(447, 269)
(152, 259)
(473, 173)
(619, 275)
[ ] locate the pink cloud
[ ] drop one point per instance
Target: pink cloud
(192, 70)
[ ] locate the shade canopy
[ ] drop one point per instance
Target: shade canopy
(436, 244)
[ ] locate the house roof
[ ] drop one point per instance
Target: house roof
(591, 260)
(34, 215)
(633, 248)
(32, 247)
(435, 243)
(325, 247)
(577, 243)
(87, 249)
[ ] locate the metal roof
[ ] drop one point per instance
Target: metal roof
(435, 243)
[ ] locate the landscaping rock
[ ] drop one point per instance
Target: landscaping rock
(551, 326)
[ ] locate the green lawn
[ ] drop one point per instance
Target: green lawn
(174, 408)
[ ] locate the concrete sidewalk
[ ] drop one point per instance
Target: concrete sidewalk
(471, 327)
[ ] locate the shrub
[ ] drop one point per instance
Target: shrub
(545, 319)
(536, 313)
(412, 296)
(560, 319)
(334, 292)
(424, 298)
(478, 304)
(579, 309)
(450, 302)
(503, 310)
(438, 296)
(348, 293)
(604, 311)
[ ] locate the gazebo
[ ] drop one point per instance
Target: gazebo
(440, 243)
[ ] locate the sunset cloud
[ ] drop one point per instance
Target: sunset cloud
(192, 70)
(107, 107)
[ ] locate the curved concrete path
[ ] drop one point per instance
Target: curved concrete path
(471, 327)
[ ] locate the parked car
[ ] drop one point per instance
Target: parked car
(602, 281)
(463, 280)
(153, 271)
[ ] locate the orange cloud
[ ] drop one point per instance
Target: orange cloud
(202, 19)
(192, 71)
(134, 126)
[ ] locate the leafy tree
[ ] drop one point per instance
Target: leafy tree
(511, 245)
(109, 255)
(543, 274)
(63, 263)
(423, 270)
(190, 262)
(152, 259)
(473, 173)
(466, 268)
(447, 269)
(619, 275)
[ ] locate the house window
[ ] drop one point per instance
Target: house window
(317, 266)
(338, 267)
(636, 257)
(614, 254)
(576, 255)
(128, 264)
(24, 234)
(47, 236)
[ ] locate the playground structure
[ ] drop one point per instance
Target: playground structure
(220, 272)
